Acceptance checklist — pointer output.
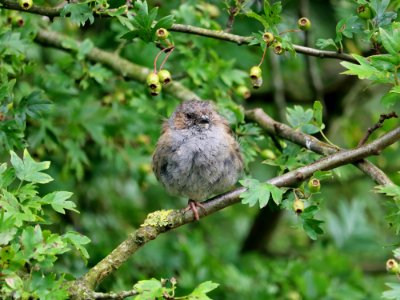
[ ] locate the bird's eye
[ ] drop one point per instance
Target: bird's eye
(189, 116)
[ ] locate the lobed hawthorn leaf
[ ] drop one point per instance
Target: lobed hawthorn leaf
(260, 192)
(391, 98)
(393, 293)
(199, 293)
(148, 289)
(78, 240)
(325, 43)
(29, 170)
(58, 201)
(391, 39)
(79, 13)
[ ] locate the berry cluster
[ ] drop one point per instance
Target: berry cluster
(156, 79)
(314, 186)
(273, 42)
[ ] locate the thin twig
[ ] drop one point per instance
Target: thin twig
(166, 56)
(379, 124)
(233, 10)
(263, 56)
(279, 86)
(221, 35)
(310, 142)
(313, 74)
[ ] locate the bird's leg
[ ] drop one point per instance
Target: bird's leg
(193, 205)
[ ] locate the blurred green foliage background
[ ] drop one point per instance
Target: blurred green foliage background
(99, 129)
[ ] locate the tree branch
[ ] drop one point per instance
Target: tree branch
(139, 73)
(379, 124)
(162, 221)
(312, 143)
(52, 12)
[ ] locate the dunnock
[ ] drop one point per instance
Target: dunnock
(197, 155)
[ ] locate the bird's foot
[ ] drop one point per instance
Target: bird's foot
(193, 205)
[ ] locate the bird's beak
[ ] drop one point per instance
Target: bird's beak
(205, 121)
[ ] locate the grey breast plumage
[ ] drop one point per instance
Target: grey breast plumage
(197, 162)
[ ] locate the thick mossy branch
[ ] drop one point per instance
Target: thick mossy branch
(156, 223)
(164, 220)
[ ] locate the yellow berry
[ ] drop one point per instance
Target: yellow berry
(304, 23)
(278, 49)
(298, 206)
(162, 33)
(314, 185)
(152, 80)
(243, 91)
(268, 37)
(25, 4)
(164, 76)
(155, 89)
(255, 72)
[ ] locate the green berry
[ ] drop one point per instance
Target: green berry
(364, 12)
(314, 185)
(255, 72)
(298, 206)
(152, 80)
(304, 23)
(392, 266)
(268, 154)
(162, 33)
(156, 89)
(268, 38)
(243, 91)
(164, 76)
(278, 49)
(25, 4)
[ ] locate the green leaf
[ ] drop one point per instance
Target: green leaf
(349, 25)
(148, 289)
(312, 228)
(276, 193)
(297, 116)
(303, 119)
(7, 175)
(273, 12)
(325, 43)
(317, 114)
(390, 98)
(322, 175)
(29, 170)
(78, 241)
(199, 293)
(165, 22)
(389, 190)
(31, 238)
(252, 14)
(391, 39)
(84, 48)
(36, 104)
(78, 12)
(393, 293)
(7, 228)
(58, 202)
(260, 192)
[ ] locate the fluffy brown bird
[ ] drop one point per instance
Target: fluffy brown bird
(197, 155)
